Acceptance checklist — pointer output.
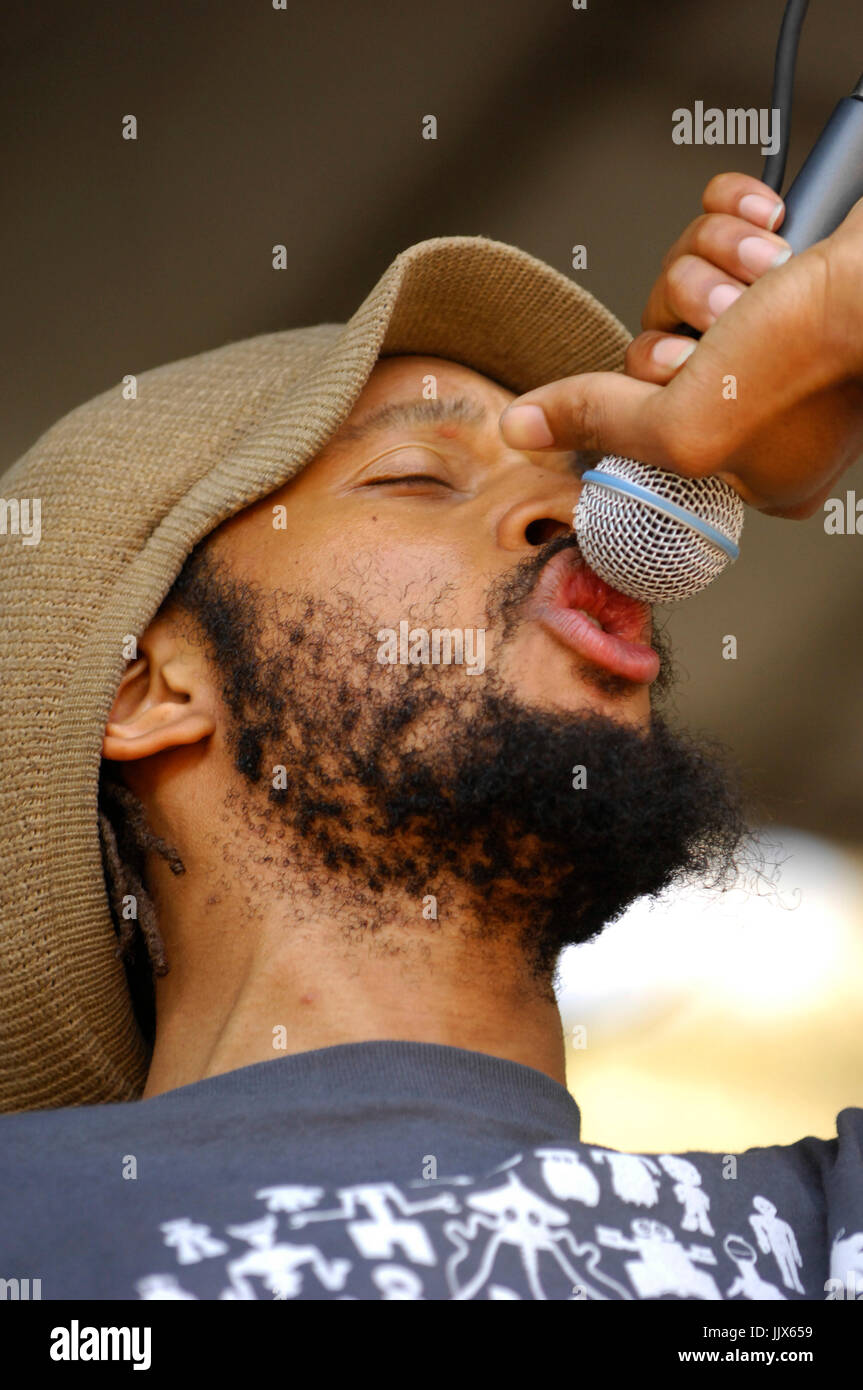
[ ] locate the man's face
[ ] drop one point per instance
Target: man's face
(418, 508)
(537, 793)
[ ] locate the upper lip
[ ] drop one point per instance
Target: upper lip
(567, 582)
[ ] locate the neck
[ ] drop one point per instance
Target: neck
(258, 975)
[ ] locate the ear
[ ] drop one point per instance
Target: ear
(164, 700)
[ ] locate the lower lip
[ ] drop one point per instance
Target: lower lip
(632, 660)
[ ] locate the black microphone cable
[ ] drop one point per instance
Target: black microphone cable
(783, 88)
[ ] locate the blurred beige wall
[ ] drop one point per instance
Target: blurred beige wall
(724, 1022)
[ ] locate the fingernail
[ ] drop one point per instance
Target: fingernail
(721, 296)
(525, 427)
(756, 208)
(758, 254)
(671, 352)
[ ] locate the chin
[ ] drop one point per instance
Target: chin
(582, 695)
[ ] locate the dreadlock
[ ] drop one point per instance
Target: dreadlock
(126, 840)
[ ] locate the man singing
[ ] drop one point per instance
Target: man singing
(286, 876)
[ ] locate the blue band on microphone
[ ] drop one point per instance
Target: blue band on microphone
(661, 504)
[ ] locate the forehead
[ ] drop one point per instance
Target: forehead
(409, 378)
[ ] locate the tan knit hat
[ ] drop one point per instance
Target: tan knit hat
(127, 488)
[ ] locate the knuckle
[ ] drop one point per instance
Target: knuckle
(585, 418)
(652, 315)
(680, 272)
(700, 231)
(707, 241)
(721, 187)
(703, 235)
(635, 353)
(672, 253)
(683, 448)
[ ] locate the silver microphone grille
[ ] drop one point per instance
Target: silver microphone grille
(654, 535)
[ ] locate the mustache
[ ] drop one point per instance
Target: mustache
(508, 593)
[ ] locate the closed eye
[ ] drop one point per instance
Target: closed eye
(406, 478)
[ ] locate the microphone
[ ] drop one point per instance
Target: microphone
(655, 535)
(651, 533)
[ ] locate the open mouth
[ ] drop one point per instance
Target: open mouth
(597, 622)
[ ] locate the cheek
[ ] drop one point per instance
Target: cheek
(393, 576)
(393, 566)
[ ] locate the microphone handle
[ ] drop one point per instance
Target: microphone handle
(827, 186)
(831, 180)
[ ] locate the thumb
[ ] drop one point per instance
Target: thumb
(594, 410)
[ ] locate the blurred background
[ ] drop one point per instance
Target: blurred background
(698, 1024)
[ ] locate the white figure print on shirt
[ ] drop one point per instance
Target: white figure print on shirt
(163, 1287)
(748, 1283)
(632, 1176)
(519, 1219)
(373, 1234)
(776, 1237)
(278, 1266)
(382, 1235)
(290, 1197)
(397, 1283)
(192, 1241)
(846, 1258)
(567, 1178)
(663, 1266)
(689, 1193)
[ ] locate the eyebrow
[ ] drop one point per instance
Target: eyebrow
(461, 410)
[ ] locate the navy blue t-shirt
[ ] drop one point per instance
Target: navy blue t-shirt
(402, 1170)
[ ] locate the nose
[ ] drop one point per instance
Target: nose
(546, 513)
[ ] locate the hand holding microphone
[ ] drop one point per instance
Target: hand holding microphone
(792, 342)
(661, 531)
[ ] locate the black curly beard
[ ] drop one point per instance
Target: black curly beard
(419, 779)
